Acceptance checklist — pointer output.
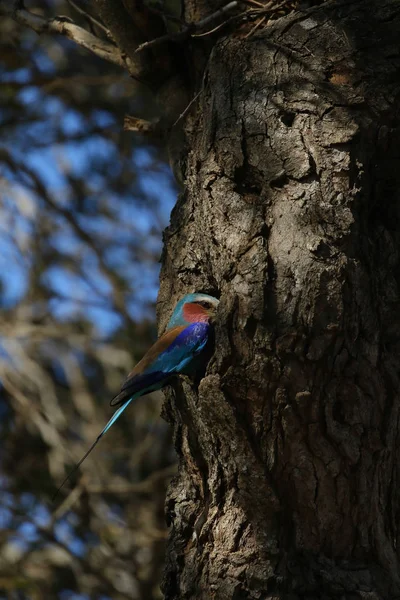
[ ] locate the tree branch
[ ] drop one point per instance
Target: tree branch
(65, 27)
(92, 21)
(118, 295)
(131, 24)
(188, 29)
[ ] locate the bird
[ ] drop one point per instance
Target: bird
(182, 349)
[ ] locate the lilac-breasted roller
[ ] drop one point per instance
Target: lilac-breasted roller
(178, 351)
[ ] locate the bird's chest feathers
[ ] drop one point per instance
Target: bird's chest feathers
(194, 313)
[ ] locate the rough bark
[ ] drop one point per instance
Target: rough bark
(288, 481)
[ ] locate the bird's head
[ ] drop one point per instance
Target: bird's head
(194, 308)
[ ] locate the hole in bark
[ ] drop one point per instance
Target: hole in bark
(270, 269)
(246, 181)
(251, 327)
(323, 250)
(287, 118)
(279, 180)
(337, 412)
(240, 594)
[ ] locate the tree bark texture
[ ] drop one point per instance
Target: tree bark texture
(288, 484)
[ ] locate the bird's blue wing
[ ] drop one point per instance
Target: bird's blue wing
(174, 358)
(161, 365)
(186, 346)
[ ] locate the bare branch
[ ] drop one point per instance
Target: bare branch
(193, 100)
(141, 487)
(65, 27)
(90, 19)
(132, 123)
(256, 26)
(118, 295)
(189, 29)
(130, 28)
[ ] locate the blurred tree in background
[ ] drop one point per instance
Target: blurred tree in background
(287, 145)
(82, 208)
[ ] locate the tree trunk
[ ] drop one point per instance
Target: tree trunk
(288, 481)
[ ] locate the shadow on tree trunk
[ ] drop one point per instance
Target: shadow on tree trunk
(288, 450)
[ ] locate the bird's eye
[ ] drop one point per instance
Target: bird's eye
(204, 303)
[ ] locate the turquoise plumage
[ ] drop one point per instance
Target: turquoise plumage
(177, 351)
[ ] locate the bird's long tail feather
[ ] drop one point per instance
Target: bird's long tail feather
(106, 428)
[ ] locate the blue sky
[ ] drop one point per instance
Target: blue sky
(120, 192)
(55, 164)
